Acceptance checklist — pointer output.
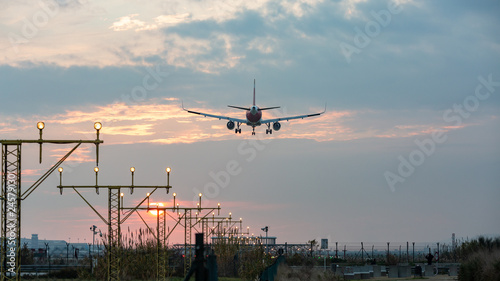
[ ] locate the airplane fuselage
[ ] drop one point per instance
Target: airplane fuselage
(254, 115)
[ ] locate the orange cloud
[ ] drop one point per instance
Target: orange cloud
(163, 121)
(82, 154)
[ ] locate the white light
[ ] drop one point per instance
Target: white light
(40, 125)
(97, 125)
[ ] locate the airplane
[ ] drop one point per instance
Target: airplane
(254, 117)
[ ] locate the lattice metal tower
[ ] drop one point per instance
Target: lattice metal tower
(12, 195)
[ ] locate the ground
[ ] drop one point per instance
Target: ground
(437, 278)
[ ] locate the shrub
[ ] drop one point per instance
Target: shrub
(481, 260)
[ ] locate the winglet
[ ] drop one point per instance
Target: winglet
(253, 91)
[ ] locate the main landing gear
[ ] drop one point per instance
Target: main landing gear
(237, 130)
(269, 130)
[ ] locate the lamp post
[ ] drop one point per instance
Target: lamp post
(40, 126)
(168, 170)
(93, 228)
(265, 229)
(96, 170)
(97, 127)
(199, 206)
(60, 169)
(173, 209)
(132, 170)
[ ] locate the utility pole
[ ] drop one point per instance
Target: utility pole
(413, 250)
(407, 252)
(12, 195)
(387, 252)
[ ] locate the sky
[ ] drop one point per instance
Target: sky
(408, 149)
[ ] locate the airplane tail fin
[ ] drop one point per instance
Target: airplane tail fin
(253, 91)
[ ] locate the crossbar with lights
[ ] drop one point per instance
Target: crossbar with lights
(114, 220)
(12, 194)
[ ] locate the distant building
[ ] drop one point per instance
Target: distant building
(34, 242)
(56, 248)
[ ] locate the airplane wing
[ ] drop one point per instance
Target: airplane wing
(292, 117)
(243, 121)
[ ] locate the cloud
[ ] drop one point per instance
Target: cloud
(131, 38)
(128, 22)
(161, 121)
(80, 155)
(166, 20)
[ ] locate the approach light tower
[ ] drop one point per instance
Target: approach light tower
(162, 235)
(12, 195)
(114, 220)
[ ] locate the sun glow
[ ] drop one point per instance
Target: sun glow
(154, 205)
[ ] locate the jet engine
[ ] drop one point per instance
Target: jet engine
(230, 125)
(276, 126)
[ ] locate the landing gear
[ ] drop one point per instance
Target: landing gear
(238, 130)
(269, 130)
(253, 131)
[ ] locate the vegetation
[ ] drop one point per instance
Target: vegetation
(235, 259)
(26, 255)
(138, 257)
(480, 259)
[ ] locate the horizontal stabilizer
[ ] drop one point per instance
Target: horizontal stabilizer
(238, 107)
(266, 108)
